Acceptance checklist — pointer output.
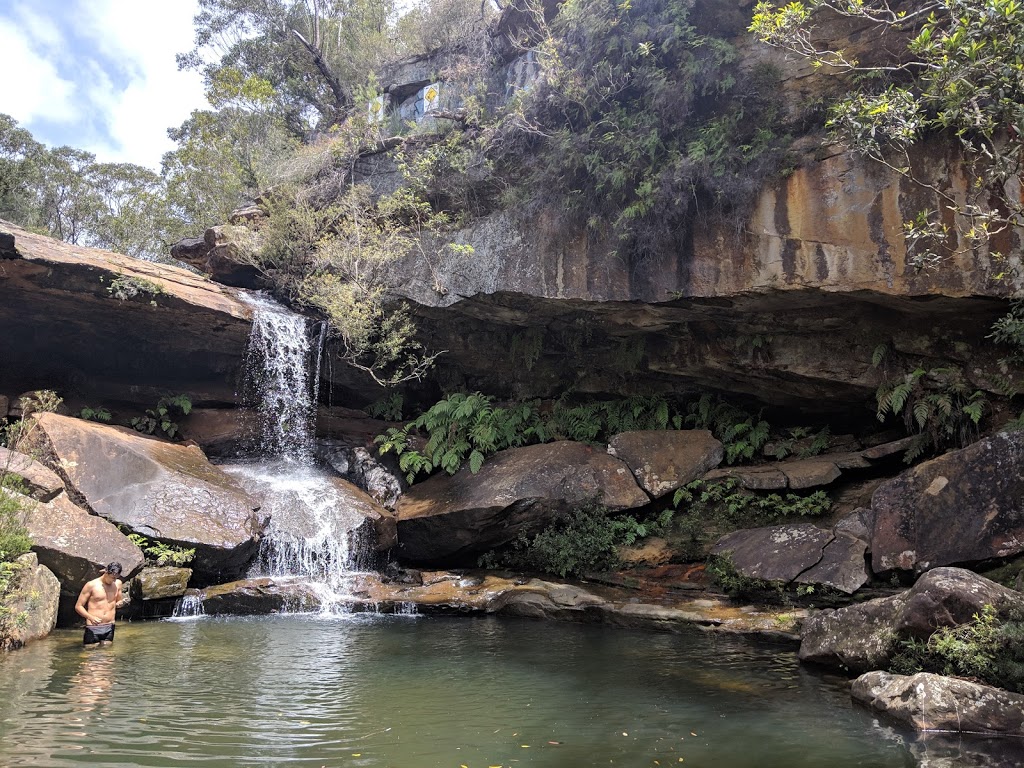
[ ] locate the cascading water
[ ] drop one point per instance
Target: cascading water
(311, 531)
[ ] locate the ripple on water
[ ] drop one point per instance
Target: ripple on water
(318, 691)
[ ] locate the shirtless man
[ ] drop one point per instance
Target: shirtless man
(97, 604)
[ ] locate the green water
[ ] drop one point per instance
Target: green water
(417, 692)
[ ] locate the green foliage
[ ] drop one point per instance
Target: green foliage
(527, 347)
(938, 405)
(584, 540)
(388, 407)
(125, 287)
(987, 648)
(723, 571)
(742, 434)
(726, 499)
(160, 554)
(461, 428)
(95, 414)
(638, 120)
(162, 418)
(600, 420)
(14, 538)
(801, 441)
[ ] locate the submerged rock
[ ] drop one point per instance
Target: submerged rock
(930, 702)
(158, 489)
(962, 507)
(519, 490)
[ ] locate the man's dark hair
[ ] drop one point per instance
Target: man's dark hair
(114, 568)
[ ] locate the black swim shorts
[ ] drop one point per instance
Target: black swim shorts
(98, 633)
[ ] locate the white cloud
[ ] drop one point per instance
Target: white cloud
(143, 38)
(33, 89)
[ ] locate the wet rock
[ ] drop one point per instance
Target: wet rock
(40, 482)
(862, 637)
(157, 582)
(310, 510)
(775, 553)
(963, 507)
(258, 596)
(454, 518)
(221, 431)
(857, 524)
(31, 605)
(75, 545)
(930, 702)
(358, 466)
(853, 639)
(665, 460)
(5, 405)
(158, 489)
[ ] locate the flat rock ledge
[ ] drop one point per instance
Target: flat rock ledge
(930, 702)
(479, 592)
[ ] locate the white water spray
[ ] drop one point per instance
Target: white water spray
(312, 530)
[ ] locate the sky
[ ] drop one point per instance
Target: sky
(99, 75)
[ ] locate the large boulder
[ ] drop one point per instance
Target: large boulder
(112, 327)
(865, 636)
(963, 507)
(928, 702)
(229, 259)
(40, 482)
(456, 517)
(158, 489)
(357, 465)
(160, 582)
(75, 545)
(257, 596)
(31, 606)
(664, 460)
(802, 553)
(312, 513)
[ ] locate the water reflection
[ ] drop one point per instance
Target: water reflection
(382, 692)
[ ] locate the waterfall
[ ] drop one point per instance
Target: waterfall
(312, 530)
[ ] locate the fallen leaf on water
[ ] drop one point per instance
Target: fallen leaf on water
(463, 765)
(692, 733)
(357, 754)
(625, 734)
(525, 746)
(554, 742)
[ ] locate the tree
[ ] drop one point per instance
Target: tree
(312, 52)
(19, 157)
(960, 73)
(131, 218)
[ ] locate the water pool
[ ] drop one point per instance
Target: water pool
(419, 692)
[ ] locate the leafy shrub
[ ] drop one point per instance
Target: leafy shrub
(721, 569)
(162, 417)
(461, 428)
(601, 420)
(584, 539)
(742, 434)
(161, 554)
(937, 405)
(95, 414)
(125, 287)
(14, 538)
(987, 648)
(727, 499)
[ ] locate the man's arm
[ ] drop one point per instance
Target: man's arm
(83, 601)
(120, 599)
